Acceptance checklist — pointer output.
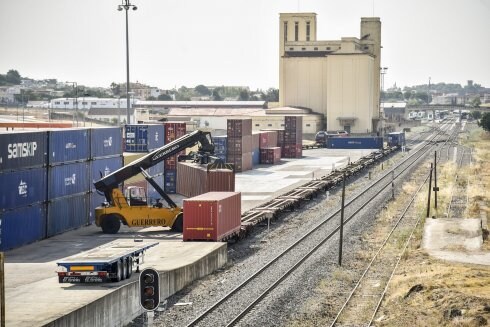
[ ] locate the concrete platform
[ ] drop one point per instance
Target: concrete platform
(455, 239)
(35, 298)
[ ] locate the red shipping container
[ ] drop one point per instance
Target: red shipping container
(280, 136)
(239, 145)
(174, 131)
(268, 139)
(242, 162)
(238, 127)
(212, 216)
(270, 156)
(292, 151)
(194, 179)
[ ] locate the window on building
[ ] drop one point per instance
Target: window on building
(296, 31)
(291, 49)
(94, 102)
(315, 48)
(328, 48)
(285, 31)
(84, 103)
(308, 125)
(56, 102)
(282, 125)
(257, 125)
(66, 102)
(366, 48)
(307, 31)
(270, 125)
(303, 49)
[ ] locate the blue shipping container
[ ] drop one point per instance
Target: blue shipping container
(102, 167)
(22, 188)
(170, 181)
(68, 145)
(396, 139)
(22, 226)
(152, 193)
(256, 156)
(355, 142)
(23, 150)
(144, 138)
(105, 142)
(68, 179)
(156, 170)
(67, 213)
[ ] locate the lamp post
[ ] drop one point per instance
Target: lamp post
(75, 87)
(383, 71)
(126, 5)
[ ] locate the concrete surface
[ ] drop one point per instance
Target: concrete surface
(35, 298)
(455, 239)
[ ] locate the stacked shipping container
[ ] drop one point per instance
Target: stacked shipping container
(23, 190)
(173, 131)
(220, 144)
(51, 174)
(194, 179)
(143, 138)
(105, 157)
(255, 148)
(293, 137)
(68, 180)
(239, 143)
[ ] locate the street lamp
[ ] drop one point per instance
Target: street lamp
(126, 5)
(75, 87)
(383, 71)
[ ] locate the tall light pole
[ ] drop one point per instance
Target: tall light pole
(383, 71)
(126, 5)
(75, 87)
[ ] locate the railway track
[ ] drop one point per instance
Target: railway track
(240, 301)
(364, 300)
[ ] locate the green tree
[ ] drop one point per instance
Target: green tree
(244, 95)
(476, 114)
(485, 122)
(13, 77)
(476, 102)
(272, 95)
(202, 90)
(164, 97)
(115, 88)
(216, 95)
(3, 80)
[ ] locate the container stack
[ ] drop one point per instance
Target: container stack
(194, 179)
(68, 180)
(279, 137)
(214, 216)
(23, 178)
(293, 137)
(239, 146)
(270, 156)
(106, 156)
(255, 148)
(220, 143)
(173, 131)
(143, 138)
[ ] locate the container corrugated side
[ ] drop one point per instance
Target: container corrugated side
(68, 179)
(156, 137)
(22, 188)
(96, 200)
(174, 131)
(194, 179)
(68, 145)
(102, 167)
(238, 127)
(268, 139)
(106, 141)
(242, 162)
(67, 213)
(355, 143)
(152, 194)
(212, 216)
(270, 156)
(144, 138)
(170, 181)
(22, 226)
(23, 150)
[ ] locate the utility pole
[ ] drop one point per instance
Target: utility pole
(430, 191)
(342, 221)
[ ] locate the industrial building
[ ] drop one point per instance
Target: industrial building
(339, 79)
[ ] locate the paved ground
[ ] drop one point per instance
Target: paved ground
(455, 239)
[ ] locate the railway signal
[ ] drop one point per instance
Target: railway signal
(149, 289)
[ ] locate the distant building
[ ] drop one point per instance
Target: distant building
(88, 103)
(112, 115)
(339, 79)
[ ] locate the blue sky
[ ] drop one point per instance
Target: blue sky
(234, 42)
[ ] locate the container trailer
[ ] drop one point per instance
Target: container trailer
(112, 262)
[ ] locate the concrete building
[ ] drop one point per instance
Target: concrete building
(338, 79)
(112, 115)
